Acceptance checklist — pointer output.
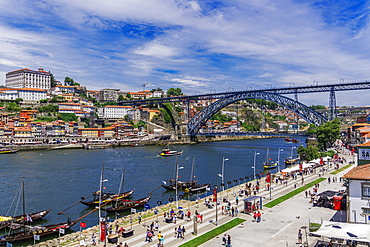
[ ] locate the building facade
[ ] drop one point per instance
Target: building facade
(26, 78)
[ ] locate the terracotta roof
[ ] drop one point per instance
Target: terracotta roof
(117, 106)
(366, 144)
(359, 172)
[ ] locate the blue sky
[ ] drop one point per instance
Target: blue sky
(199, 46)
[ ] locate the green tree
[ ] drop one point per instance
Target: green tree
(128, 95)
(49, 108)
(120, 97)
(174, 92)
(318, 107)
(67, 117)
(328, 133)
(11, 106)
(52, 80)
(308, 153)
(68, 81)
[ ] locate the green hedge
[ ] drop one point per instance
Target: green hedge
(293, 193)
(213, 233)
(341, 169)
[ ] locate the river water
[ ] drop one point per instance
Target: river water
(58, 178)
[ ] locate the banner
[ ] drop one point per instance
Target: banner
(133, 210)
(268, 178)
(36, 237)
(103, 232)
(300, 167)
(82, 224)
(214, 195)
(364, 154)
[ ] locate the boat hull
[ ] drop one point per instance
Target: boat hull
(127, 204)
(109, 197)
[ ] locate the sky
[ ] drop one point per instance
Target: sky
(199, 46)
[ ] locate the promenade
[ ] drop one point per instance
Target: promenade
(279, 225)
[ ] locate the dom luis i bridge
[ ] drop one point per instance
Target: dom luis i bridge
(276, 95)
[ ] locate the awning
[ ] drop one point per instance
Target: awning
(347, 231)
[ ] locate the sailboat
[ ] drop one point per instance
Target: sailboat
(104, 197)
(7, 221)
(188, 186)
(268, 164)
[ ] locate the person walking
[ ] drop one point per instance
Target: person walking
(183, 232)
(299, 236)
(93, 239)
(179, 232)
(224, 239)
(228, 244)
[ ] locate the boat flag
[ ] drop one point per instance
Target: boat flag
(82, 224)
(164, 182)
(62, 231)
(36, 237)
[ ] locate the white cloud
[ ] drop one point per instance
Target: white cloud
(156, 50)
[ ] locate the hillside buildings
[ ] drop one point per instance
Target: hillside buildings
(26, 78)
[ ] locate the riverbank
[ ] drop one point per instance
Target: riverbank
(127, 143)
(289, 216)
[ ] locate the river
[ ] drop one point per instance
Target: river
(58, 178)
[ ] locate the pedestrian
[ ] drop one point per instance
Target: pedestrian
(139, 218)
(175, 232)
(232, 211)
(258, 216)
(306, 193)
(299, 236)
(156, 226)
(183, 232)
(126, 245)
(228, 244)
(237, 200)
(179, 232)
(159, 236)
(93, 239)
(255, 216)
(149, 235)
(224, 239)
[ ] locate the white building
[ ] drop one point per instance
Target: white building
(114, 111)
(358, 194)
(31, 94)
(26, 78)
(8, 94)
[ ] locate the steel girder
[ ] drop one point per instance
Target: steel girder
(302, 110)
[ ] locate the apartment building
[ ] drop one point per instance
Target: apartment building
(26, 78)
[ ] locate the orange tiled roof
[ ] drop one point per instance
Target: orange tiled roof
(366, 144)
(359, 172)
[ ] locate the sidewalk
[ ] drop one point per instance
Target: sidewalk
(279, 225)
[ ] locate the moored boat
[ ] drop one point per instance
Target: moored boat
(289, 161)
(29, 232)
(107, 197)
(295, 141)
(124, 204)
(270, 166)
(6, 221)
(8, 151)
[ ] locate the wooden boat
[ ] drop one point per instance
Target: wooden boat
(295, 141)
(8, 151)
(270, 166)
(22, 219)
(197, 187)
(28, 232)
(127, 204)
(107, 197)
(289, 161)
(288, 140)
(168, 152)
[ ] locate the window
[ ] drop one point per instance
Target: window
(365, 190)
(366, 211)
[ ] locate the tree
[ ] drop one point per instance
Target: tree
(174, 92)
(68, 117)
(52, 80)
(328, 133)
(308, 153)
(68, 81)
(120, 97)
(49, 108)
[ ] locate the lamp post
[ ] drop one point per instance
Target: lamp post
(254, 165)
(215, 200)
(222, 172)
(279, 158)
(177, 180)
(291, 152)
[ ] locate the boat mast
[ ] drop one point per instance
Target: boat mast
(192, 171)
(23, 199)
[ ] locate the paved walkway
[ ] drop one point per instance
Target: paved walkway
(279, 225)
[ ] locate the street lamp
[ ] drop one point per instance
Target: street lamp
(254, 166)
(215, 200)
(279, 158)
(177, 180)
(222, 172)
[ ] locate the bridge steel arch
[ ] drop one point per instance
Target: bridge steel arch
(302, 110)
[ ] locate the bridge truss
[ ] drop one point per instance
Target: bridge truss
(302, 110)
